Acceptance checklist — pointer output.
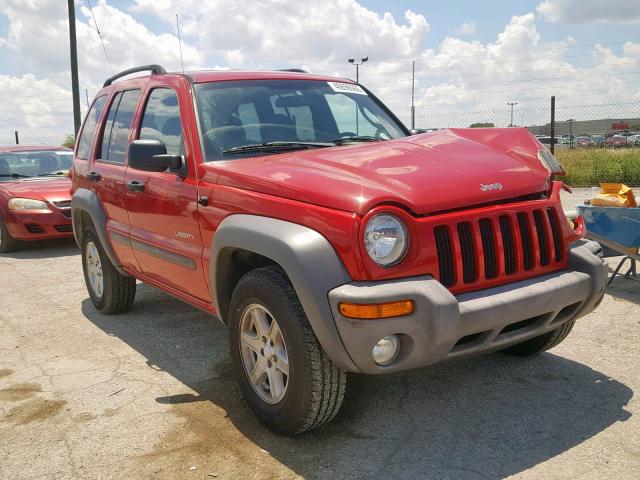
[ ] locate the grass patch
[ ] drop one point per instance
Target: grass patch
(589, 167)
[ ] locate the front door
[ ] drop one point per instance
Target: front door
(163, 206)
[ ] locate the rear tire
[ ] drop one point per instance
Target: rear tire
(7, 242)
(312, 392)
(542, 343)
(109, 291)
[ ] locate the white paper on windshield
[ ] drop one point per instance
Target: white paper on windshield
(346, 88)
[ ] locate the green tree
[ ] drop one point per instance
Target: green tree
(69, 140)
(482, 125)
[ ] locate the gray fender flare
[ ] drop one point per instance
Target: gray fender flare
(308, 259)
(87, 201)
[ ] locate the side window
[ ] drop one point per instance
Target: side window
(90, 123)
(115, 137)
(161, 120)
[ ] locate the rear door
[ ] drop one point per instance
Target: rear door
(107, 171)
(163, 207)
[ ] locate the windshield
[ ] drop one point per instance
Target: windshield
(37, 163)
(243, 113)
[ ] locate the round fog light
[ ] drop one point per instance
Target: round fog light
(386, 350)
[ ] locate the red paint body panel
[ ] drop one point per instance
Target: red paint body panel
(425, 173)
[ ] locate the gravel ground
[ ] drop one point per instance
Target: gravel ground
(149, 394)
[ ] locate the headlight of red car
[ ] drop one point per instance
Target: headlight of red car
(550, 162)
(26, 204)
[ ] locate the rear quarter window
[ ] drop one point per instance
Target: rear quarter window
(89, 129)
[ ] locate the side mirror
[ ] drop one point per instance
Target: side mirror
(151, 156)
(417, 131)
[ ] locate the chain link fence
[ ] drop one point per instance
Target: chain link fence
(35, 139)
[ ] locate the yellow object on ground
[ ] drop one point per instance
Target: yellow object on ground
(614, 195)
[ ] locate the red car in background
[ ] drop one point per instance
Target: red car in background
(618, 141)
(35, 202)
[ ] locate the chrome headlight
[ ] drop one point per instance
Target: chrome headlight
(386, 239)
(550, 162)
(26, 204)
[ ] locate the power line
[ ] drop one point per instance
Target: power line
(100, 36)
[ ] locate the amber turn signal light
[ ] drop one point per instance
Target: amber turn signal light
(378, 310)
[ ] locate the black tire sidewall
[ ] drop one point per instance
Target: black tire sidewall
(98, 301)
(290, 412)
(8, 244)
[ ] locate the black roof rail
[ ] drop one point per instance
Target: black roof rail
(155, 70)
(296, 70)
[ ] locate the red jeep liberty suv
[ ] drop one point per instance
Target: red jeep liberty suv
(301, 212)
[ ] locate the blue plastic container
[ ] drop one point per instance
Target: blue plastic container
(619, 225)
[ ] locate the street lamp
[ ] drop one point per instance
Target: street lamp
(353, 62)
(511, 104)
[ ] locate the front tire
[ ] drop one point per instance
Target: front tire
(541, 343)
(109, 291)
(7, 242)
(285, 375)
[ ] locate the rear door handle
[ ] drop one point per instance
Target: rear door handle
(94, 177)
(135, 186)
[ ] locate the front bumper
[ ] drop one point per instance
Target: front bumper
(444, 326)
(39, 225)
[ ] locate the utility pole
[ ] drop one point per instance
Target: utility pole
(553, 123)
(75, 87)
(413, 92)
(511, 104)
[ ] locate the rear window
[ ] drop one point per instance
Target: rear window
(90, 123)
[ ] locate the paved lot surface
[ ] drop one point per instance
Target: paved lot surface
(149, 394)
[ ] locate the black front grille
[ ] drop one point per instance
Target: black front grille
(489, 247)
(445, 255)
(63, 203)
(34, 228)
(508, 245)
(66, 213)
(64, 228)
(543, 238)
(525, 238)
(465, 235)
(469, 250)
(556, 233)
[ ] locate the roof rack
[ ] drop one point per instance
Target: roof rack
(155, 70)
(296, 70)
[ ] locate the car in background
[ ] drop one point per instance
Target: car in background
(35, 199)
(598, 140)
(634, 140)
(583, 141)
(618, 141)
(559, 142)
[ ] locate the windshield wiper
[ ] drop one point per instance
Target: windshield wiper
(15, 175)
(277, 147)
(53, 174)
(357, 138)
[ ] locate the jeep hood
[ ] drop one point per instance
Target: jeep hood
(424, 173)
(46, 189)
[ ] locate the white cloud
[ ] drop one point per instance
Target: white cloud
(39, 110)
(465, 28)
(291, 31)
(590, 11)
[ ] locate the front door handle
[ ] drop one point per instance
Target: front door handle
(135, 186)
(94, 177)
